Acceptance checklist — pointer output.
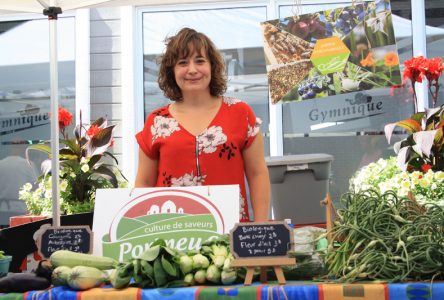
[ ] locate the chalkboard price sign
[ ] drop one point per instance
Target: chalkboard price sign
(73, 238)
(270, 239)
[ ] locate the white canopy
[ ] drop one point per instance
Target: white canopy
(35, 6)
(38, 6)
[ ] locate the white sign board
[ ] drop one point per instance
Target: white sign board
(127, 221)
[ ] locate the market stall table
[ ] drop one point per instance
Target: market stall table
(301, 290)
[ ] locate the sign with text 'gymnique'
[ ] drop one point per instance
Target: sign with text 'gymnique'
(128, 221)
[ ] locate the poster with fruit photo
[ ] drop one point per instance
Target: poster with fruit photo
(331, 52)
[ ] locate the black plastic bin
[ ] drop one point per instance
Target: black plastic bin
(298, 184)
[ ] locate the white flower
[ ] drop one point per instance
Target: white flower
(163, 127)
(382, 163)
(48, 194)
(439, 175)
(403, 192)
(63, 185)
(424, 182)
(429, 175)
(416, 174)
(405, 184)
(188, 180)
(85, 168)
(377, 23)
(72, 175)
(83, 160)
(252, 131)
(27, 187)
(383, 186)
(230, 100)
(210, 139)
(23, 193)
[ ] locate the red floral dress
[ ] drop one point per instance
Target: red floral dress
(213, 157)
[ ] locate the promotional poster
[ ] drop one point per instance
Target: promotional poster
(331, 52)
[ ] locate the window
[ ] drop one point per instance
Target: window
(242, 49)
(25, 100)
(434, 14)
(349, 126)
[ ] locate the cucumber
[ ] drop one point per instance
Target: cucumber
(72, 259)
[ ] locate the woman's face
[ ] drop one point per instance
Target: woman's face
(193, 73)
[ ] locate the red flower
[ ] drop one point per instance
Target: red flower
(65, 118)
(434, 69)
(426, 167)
(93, 130)
(415, 68)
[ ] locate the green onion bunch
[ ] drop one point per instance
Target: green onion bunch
(386, 237)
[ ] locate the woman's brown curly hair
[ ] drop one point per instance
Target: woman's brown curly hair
(180, 46)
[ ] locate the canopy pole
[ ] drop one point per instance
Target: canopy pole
(52, 13)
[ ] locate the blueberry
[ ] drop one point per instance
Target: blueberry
(311, 94)
(345, 15)
(301, 90)
(339, 23)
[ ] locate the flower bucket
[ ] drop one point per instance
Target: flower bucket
(24, 219)
(4, 264)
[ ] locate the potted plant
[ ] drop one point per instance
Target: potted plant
(5, 260)
(418, 166)
(423, 149)
(83, 168)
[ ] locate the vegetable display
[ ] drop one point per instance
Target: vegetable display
(161, 266)
(386, 237)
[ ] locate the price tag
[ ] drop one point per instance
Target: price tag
(73, 238)
(270, 239)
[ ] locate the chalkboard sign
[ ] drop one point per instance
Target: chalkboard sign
(269, 239)
(73, 238)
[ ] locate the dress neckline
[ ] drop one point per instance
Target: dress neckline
(206, 128)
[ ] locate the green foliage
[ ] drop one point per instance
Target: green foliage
(83, 170)
(424, 146)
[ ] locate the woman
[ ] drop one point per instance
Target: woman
(203, 138)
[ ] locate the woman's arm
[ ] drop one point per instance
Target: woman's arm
(258, 180)
(146, 171)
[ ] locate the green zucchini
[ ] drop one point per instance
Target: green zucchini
(72, 259)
